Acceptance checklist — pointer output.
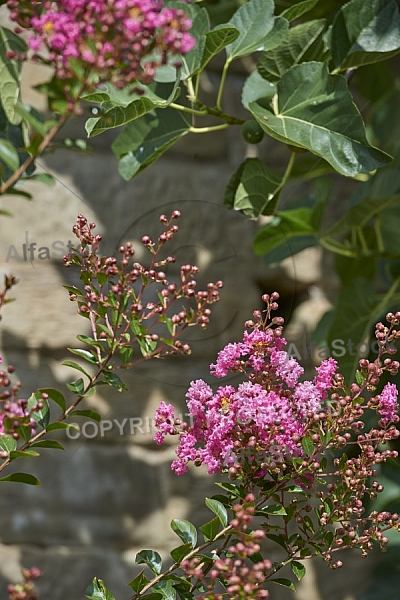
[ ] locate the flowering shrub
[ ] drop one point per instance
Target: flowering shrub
(295, 452)
(123, 311)
(117, 42)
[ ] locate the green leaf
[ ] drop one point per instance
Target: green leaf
(47, 444)
(185, 530)
(359, 214)
(151, 558)
(118, 107)
(365, 32)
(303, 43)
(21, 478)
(236, 490)
(255, 88)
(138, 582)
(23, 454)
(144, 141)
(45, 178)
(357, 308)
(298, 10)
(278, 539)
(180, 552)
(200, 28)
(97, 590)
(216, 40)
(85, 354)
(210, 529)
(218, 509)
(258, 28)
(284, 226)
(55, 426)
(274, 509)
(8, 443)
(10, 71)
(113, 380)
(90, 414)
(9, 155)
(359, 378)
(285, 582)
(165, 588)
(41, 416)
(86, 339)
(298, 569)
(314, 110)
(74, 365)
(73, 290)
(252, 187)
(32, 118)
(118, 116)
(54, 395)
(289, 248)
(126, 353)
(78, 386)
(308, 445)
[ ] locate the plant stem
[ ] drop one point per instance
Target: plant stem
(209, 129)
(222, 83)
(192, 111)
(337, 248)
(288, 169)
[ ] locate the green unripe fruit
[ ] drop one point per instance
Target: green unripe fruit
(252, 132)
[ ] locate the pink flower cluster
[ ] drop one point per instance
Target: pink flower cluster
(262, 422)
(264, 417)
(388, 404)
(119, 40)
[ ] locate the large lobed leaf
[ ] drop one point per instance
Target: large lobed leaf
(365, 32)
(314, 110)
(10, 71)
(252, 188)
(258, 28)
(304, 43)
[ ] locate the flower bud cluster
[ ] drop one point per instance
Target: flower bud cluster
(128, 302)
(27, 589)
(14, 411)
(9, 282)
(118, 42)
(241, 577)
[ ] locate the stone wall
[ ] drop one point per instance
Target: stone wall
(108, 496)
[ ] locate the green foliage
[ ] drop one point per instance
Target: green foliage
(257, 27)
(315, 111)
(97, 590)
(10, 72)
(185, 530)
(365, 32)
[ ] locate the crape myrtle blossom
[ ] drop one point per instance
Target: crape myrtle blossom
(119, 40)
(266, 414)
(388, 404)
(272, 417)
